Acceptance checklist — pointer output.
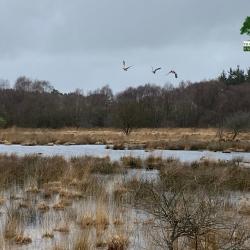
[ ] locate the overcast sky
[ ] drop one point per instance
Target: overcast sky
(81, 43)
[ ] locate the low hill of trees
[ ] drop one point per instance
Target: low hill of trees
(37, 104)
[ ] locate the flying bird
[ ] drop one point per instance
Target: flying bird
(155, 70)
(125, 68)
(173, 72)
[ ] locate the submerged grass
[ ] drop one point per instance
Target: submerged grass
(89, 202)
(118, 242)
(82, 243)
(94, 165)
(132, 162)
(51, 172)
(75, 178)
(221, 175)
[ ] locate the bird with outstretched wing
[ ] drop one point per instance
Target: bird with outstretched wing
(125, 68)
(155, 70)
(173, 72)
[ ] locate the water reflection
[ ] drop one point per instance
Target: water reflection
(101, 151)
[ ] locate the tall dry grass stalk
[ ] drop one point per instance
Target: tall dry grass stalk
(13, 224)
(118, 242)
(101, 217)
(82, 242)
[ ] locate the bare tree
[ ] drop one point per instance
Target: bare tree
(234, 235)
(4, 84)
(23, 84)
(183, 219)
(126, 111)
(238, 122)
(180, 217)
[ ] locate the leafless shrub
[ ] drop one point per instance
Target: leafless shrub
(185, 219)
(237, 123)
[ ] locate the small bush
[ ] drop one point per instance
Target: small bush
(118, 242)
(133, 162)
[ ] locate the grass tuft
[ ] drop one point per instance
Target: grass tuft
(22, 240)
(118, 242)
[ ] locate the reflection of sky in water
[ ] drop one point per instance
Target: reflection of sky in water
(36, 223)
(100, 150)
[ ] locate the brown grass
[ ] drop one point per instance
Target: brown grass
(101, 165)
(170, 138)
(102, 218)
(12, 224)
(153, 162)
(87, 221)
(82, 243)
(206, 174)
(92, 186)
(62, 229)
(119, 193)
(101, 243)
(133, 162)
(70, 194)
(66, 202)
(22, 240)
(118, 146)
(118, 222)
(74, 184)
(48, 235)
(43, 207)
(32, 189)
(10, 230)
(2, 201)
(24, 205)
(118, 242)
(59, 206)
(18, 170)
(57, 247)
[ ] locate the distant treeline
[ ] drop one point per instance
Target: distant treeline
(37, 104)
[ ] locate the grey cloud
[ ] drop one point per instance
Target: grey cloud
(81, 43)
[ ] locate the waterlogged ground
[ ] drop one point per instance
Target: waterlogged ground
(97, 218)
(102, 151)
(67, 215)
(52, 203)
(64, 225)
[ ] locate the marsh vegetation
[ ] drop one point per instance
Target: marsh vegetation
(165, 139)
(96, 203)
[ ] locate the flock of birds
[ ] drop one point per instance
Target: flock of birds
(154, 70)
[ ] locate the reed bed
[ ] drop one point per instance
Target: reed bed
(168, 138)
(94, 203)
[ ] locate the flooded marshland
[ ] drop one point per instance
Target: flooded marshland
(103, 151)
(150, 202)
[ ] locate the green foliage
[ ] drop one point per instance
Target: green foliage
(234, 76)
(246, 48)
(3, 122)
(223, 76)
(248, 75)
(245, 29)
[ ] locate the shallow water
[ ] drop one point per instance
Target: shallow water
(137, 224)
(101, 151)
(35, 223)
